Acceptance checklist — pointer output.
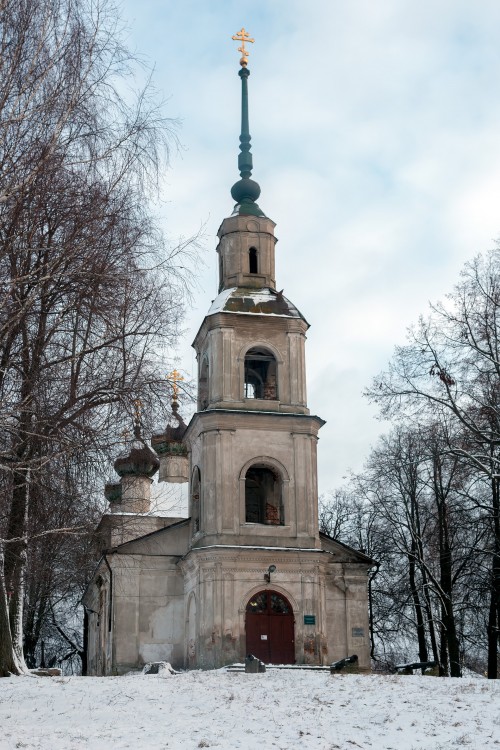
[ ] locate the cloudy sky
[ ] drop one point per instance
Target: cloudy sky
(376, 141)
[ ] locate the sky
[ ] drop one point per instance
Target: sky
(281, 709)
(376, 142)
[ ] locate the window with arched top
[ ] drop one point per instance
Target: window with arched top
(260, 374)
(253, 260)
(263, 496)
(196, 499)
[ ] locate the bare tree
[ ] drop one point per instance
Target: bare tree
(416, 509)
(90, 294)
(452, 364)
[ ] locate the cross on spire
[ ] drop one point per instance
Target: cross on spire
(246, 191)
(174, 378)
(243, 36)
(137, 417)
(137, 410)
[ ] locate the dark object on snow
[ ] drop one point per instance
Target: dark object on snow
(46, 672)
(408, 668)
(337, 666)
(155, 667)
(253, 665)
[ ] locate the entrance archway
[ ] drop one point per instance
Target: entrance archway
(270, 632)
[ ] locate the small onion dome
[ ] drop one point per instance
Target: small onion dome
(113, 492)
(139, 459)
(170, 442)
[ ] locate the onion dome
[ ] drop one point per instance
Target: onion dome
(139, 459)
(113, 492)
(170, 442)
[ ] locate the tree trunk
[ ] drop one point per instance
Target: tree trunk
(370, 604)
(428, 604)
(422, 644)
(449, 626)
(493, 629)
(492, 639)
(13, 570)
(9, 662)
(444, 668)
(446, 581)
(37, 600)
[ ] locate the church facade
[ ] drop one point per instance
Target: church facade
(248, 571)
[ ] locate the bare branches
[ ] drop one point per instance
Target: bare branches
(432, 485)
(91, 294)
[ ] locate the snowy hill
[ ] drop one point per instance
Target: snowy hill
(280, 709)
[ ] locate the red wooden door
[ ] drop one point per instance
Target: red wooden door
(270, 628)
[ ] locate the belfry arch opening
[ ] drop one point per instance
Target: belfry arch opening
(253, 261)
(260, 374)
(263, 496)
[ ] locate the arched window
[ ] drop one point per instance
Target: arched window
(252, 260)
(203, 385)
(196, 499)
(263, 503)
(260, 374)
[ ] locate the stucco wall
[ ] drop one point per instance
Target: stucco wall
(222, 583)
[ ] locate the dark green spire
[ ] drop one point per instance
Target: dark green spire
(246, 191)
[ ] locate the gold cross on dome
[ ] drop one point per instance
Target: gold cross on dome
(174, 378)
(243, 36)
(137, 410)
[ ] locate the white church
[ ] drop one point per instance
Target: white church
(247, 572)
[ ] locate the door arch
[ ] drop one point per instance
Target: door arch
(270, 629)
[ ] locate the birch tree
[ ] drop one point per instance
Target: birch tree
(90, 293)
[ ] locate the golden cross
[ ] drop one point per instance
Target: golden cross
(243, 36)
(175, 377)
(137, 410)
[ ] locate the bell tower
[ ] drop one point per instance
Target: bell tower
(252, 441)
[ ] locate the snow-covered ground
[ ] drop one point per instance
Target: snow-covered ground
(280, 709)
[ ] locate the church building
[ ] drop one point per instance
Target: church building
(247, 572)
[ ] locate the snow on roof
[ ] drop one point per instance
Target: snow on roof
(244, 300)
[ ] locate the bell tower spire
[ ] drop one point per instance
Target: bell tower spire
(246, 191)
(253, 439)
